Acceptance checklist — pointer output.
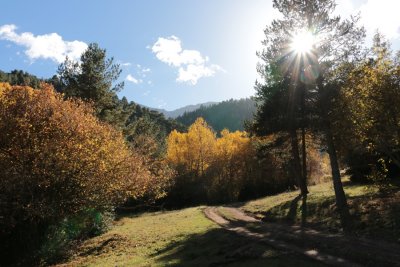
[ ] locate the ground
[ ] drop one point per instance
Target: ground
(301, 235)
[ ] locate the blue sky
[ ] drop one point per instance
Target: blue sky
(173, 53)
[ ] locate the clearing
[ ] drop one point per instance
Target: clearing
(281, 230)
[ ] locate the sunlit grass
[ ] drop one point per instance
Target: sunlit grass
(375, 214)
(187, 238)
(177, 238)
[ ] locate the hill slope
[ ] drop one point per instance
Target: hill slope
(178, 238)
(180, 111)
(187, 238)
(229, 114)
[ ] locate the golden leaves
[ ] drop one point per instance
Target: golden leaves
(222, 160)
(57, 158)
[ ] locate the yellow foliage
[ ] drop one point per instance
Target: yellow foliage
(56, 158)
(194, 150)
(222, 160)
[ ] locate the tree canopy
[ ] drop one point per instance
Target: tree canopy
(92, 79)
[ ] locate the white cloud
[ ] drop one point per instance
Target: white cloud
(142, 71)
(132, 79)
(168, 50)
(192, 73)
(146, 70)
(382, 15)
(375, 14)
(47, 46)
(126, 64)
(192, 65)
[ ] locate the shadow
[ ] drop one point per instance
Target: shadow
(219, 247)
(377, 217)
(304, 211)
(291, 216)
(292, 213)
(374, 215)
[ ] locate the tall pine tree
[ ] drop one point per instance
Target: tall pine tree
(303, 77)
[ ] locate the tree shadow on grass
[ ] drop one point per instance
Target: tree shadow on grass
(292, 214)
(219, 247)
(377, 217)
(374, 215)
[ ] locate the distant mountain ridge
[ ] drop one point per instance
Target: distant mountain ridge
(230, 114)
(180, 111)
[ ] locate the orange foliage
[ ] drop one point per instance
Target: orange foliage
(56, 159)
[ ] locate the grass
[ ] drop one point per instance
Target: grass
(376, 214)
(177, 238)
(186, 238)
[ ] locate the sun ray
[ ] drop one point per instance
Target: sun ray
(303, 42)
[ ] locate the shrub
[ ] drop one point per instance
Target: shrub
(58, 160)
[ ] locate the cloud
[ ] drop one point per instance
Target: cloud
(192, 73)
(126, 64)
(142, 71)
(190, 63)
(382, 15)
(375, 14)
(132, 79)
(47, 46)
(168, 50)
(146, 70)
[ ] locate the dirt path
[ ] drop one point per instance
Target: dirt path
(331, 249)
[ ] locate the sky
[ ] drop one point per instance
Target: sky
(172, 53)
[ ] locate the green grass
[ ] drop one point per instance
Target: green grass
(187, 238)
(375, 214)
(177, 238)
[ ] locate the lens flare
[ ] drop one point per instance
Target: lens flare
(303, 42)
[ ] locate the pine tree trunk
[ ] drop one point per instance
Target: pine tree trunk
(341, 201)
(296, 162)
(303, 134)
(304, 154)
(293, 125)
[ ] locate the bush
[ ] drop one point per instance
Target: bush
(60, 238)
(57, 160)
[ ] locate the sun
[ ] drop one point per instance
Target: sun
(303, 42)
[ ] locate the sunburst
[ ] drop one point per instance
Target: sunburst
(303, 42)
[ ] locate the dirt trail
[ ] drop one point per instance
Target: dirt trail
(331, 249)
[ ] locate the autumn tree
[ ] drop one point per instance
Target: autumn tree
(370, 100)
(192, 150)
(231, 165)
(217, 167)
(57, 159)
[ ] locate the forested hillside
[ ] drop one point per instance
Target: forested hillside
(230, 114)
(19, 77)
(180, 111)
